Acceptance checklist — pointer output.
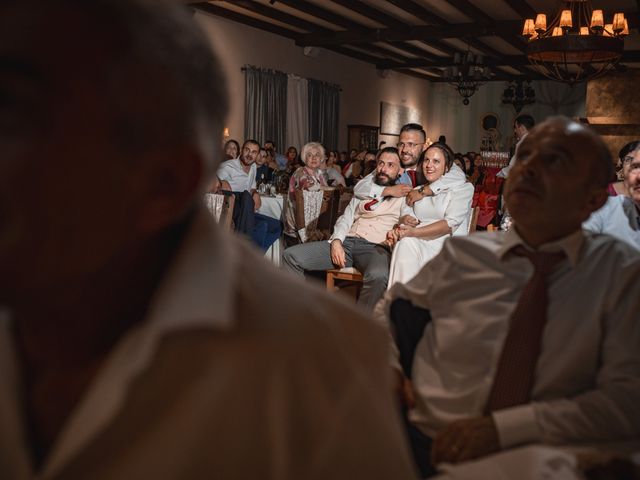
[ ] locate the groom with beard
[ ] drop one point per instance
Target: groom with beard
(359, 236)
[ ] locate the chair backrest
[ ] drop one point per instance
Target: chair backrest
(320, 227)
(226, 217)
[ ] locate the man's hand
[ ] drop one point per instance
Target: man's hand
(409, 221)
(337, 254)
(256, 200)
(397, 191)
(413, 197)
(392, 237)
(465, 440)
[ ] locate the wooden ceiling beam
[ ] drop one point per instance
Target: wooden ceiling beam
(479, 16)
(392, 22)
(521, 7)
(212, 9)
(415, 32)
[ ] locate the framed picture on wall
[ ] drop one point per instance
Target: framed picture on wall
(393, 117)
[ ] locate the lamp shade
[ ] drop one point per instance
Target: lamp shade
(541, 23)
(565, 19)
(597, 19)
(529, 28)
(618, 22)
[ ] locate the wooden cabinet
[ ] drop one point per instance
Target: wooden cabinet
(362, 137)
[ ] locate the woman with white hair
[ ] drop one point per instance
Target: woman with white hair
(308, 177)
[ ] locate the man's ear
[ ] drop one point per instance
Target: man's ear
(170, 182)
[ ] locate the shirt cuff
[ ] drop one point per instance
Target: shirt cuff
(337, 237)
(516, 425)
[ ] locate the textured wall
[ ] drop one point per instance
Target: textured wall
(612, 108)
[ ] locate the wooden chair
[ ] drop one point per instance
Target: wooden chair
(349, 276)
(327, 217)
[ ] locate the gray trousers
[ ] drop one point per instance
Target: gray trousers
(369, 258)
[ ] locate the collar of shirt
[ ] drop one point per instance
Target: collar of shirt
(195, 293)
(571, 245)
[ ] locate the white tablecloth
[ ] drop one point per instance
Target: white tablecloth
(273, 207)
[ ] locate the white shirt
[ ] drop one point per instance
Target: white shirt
(232, 172)
(618, 217)
(367, 188)
(587, 380)
(336, 176)
(229, 376)
(453, 206)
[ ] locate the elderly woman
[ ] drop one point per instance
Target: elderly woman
(309, 177)
(426, 224)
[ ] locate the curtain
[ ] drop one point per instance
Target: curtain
(324, 104)
(297, 112)
(265, 109)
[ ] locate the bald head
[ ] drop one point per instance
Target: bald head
(559, 178)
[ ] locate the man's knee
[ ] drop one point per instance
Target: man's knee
(378, 273)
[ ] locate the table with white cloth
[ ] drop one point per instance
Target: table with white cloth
(273, 206)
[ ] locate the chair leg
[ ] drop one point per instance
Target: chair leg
(330, 282)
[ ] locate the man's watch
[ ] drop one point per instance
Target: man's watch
(421, 189)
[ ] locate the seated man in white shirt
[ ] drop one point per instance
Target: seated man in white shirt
(411, 146)
(240, 174)
(487, 370)
(620, 216)
(359, 237)
(137, 339)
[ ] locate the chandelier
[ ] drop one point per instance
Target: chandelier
(467, 74)
(519, 93)
(577, 45)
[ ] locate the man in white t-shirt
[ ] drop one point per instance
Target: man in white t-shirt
(240, 173)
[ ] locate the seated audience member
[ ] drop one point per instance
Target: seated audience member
(240, 173)
(358, 238)
(309, 177)
(293, 162)
(471, 170)
(458, 159)
(489, 371)
(343, 160)
(620, 215)
(411, 146)
(264, 172)
(334, 175)
(425, 225)
(355, 169)
(280, 159)
(137, 339)
(231, 149)
(332, 161)
(618, 186)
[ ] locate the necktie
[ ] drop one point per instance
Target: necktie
(369, 205)
(514, 377)
(412, 177)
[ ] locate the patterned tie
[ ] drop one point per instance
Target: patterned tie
(514, 377)
(412, 176)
